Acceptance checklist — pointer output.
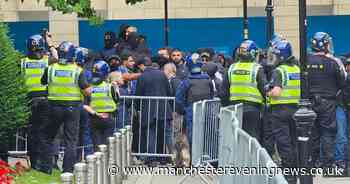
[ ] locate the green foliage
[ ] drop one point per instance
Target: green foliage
(35, 177)
(14, 110)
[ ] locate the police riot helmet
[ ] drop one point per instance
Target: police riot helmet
(322, 42)
(280, 52)
(247, 51)
(66, 52)
(35, 43)
(81, 55)
(100, 70)
(194, 63)
(275, 39)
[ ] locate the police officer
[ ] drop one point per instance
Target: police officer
(245, 83)
(326, 77)
(284, 98)
(66, 86)
(267, 137)
(102, 104)
(196, 88)
(33, 66)
(83, 59)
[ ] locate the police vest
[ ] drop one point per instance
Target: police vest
(63, 82)
(199, 90)
(101, 98)
(33, 69)
(322, 76)
(290, 85)
(243, 84)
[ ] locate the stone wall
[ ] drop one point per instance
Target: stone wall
(65, 27)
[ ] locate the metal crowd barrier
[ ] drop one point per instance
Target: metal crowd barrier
(238, 149)
(21, 148)
(150, 118)
(205, 136)
(140, 116)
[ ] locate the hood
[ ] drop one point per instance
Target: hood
(109, 39)
(210, 69)
(133, 40)
(122, 31)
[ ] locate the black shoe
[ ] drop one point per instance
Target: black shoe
(46, 171)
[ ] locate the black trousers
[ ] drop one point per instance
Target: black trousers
(284, 130)
(38, 118)
(267, 136)
(102, 129)
(68, 116)
(251, 120)
(324, 131)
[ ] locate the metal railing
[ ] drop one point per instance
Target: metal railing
(218, 138)
(239, 149)
(150, 118)
(205, 129)
(97, 168)
(21, 143)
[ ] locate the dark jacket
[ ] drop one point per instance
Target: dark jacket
(153, 82)
(326, 76)
(181, 71)
(195, 88)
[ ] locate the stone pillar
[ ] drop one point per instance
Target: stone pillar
(286, 20)
(8, 11)
(64, 27)
(341, 7)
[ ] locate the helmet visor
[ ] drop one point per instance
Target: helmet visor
(330, 46)
(272, 57)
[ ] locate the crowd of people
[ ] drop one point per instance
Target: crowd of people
(79, 91)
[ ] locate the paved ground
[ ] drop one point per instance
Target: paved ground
(321, 180)
(165, 180)
(197, 180)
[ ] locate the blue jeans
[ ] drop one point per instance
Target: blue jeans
(123, 113)
(85, 132)
(189, 123)
(341, 138)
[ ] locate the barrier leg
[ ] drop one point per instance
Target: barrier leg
(67, 178)
(128, 143)
(103, 150)
(118, 157)
(80, 173)
(124, 150)
(91, 171)
(111, 158)
(99, 167)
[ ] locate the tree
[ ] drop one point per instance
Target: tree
(14, 110)
(81, 7)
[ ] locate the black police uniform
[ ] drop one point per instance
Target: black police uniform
(283, 126)
(67, 113)
(267, 137)
(326, 78)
